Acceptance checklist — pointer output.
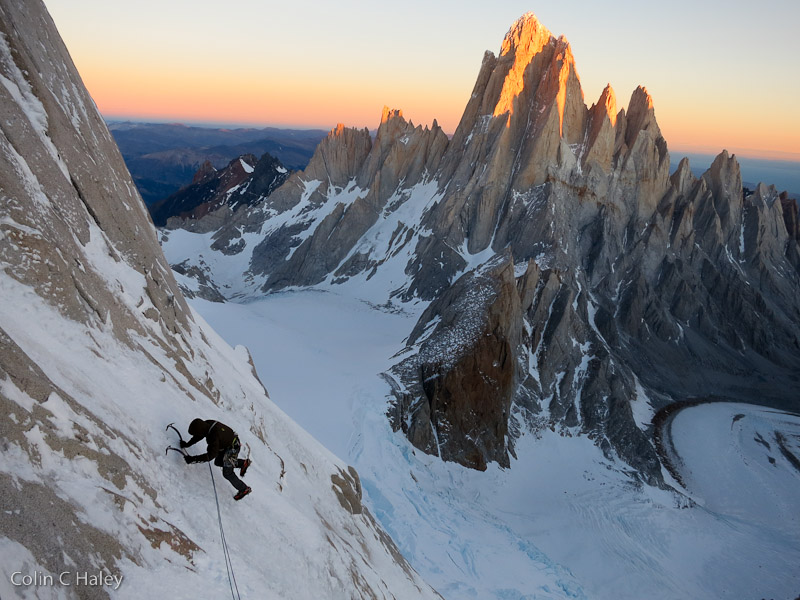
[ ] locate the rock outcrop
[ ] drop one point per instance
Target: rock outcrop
(464, 371)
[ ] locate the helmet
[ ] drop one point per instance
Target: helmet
(196, 427)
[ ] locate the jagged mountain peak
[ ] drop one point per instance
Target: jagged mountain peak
(242, 181)
(392, 126)
(640, 114)
(683, 179)
(726, 163)
(205, 171)
(338, 154)
(525, 34)
(525, 40)
(608, 103)
(390, 113)
(532, 58)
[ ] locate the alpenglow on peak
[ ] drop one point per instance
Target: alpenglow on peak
(525, 32)
(526, 40)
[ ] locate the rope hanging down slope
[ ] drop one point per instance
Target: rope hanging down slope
(228, 562)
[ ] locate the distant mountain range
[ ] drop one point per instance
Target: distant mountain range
(246, 179)
(163, 157)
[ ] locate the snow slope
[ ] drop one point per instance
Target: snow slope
(562, 522)
(290, 538)
(742, 463)
(390, 242)
(270, 534)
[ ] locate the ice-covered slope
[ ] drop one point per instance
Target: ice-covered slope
(742, 461)
(99, 351)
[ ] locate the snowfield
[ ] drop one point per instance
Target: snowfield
(563, 521)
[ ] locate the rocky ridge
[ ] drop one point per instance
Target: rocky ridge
(245, 180)
(633, 288)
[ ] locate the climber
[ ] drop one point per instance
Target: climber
(223, 448)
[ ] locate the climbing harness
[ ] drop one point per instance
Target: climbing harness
(232, 454)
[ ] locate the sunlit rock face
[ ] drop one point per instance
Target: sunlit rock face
(634, 288)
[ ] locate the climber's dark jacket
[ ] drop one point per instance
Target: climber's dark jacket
(219, 438)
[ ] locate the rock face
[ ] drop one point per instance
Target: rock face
(464, 372)
(790, 216)
(634, 288)
(51, 190)
(99, 350)
(65, 223)
(367, 175)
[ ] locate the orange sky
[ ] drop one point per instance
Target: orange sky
(719, 74)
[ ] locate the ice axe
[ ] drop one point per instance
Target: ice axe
(180, 437)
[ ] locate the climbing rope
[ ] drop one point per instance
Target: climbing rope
(228, 562)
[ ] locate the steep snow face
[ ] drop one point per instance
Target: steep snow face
(99, 352)
(95, 446)
(564, 521)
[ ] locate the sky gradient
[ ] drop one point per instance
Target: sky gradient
(722, 74)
